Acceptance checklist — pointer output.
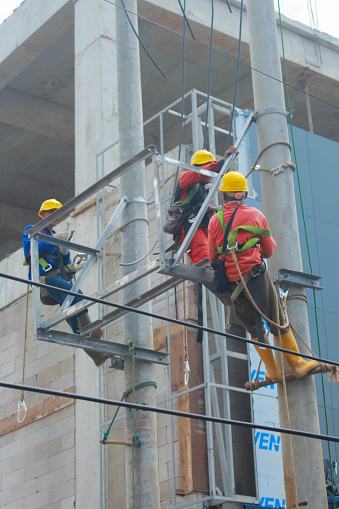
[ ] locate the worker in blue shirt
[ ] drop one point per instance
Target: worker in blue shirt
(55, 270)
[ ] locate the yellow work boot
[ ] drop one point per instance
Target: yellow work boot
(97, 357)
(300, 367)
(272, 367)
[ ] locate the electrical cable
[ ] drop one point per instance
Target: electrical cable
(189, 26)
(209, 75)
(182, 104)
(140, 259)
(167, 411)
(229, 57)
(236, 78)
(165, 318)
(140, 41)
(307, 244)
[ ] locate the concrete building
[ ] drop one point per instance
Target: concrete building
(59, 135)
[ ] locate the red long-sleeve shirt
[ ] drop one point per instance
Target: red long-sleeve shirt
(245, 216)
(189, 178)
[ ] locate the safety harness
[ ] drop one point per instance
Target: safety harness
(65, 271)
(254, 271)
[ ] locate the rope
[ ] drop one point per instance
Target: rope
(228, 316)
(268, 320)
(22, 408)
(133, 422)
(186, 357)
(294, 481)
(264, 150)
(307, 243)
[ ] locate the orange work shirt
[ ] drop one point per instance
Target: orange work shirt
(246, 216)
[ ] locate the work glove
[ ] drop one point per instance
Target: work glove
(62, 236)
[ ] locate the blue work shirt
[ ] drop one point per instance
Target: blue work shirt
(45, 251)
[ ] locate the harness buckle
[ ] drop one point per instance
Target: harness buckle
(257, 269)
(48, 267)
(235, 247)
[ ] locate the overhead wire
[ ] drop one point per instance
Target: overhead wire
(307, 242)
(165, 318)
(184, 14)
(209, 75)
(167, 411)
(225, 55)
(140, 41)
(236, 78)
(182, 103)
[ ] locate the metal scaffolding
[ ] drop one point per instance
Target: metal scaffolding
(218, 387)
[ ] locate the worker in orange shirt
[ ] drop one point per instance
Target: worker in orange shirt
(253, 243)
(191, 191)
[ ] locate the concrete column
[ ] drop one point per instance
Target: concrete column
(142, 481)
(280, 210)
(95, 129)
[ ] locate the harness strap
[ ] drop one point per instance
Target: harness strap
(189, 196)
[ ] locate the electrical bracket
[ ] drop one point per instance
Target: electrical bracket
(296, 278)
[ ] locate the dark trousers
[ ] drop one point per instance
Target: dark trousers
(268, 305)
(59, 297)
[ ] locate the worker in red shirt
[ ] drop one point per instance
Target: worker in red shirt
(192, 185)
(254, 242)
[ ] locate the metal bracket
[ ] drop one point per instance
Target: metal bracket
(117, 363)
(137, 200)
(269, 111)
(296, 278)
(100, 345)
(65, 243)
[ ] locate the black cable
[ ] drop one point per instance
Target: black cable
(229, 57)
(228, 5)
(236, 78)
(209, 74)
(165, 318)
(182, 103)
(184, 13)
(142, 44)
(166, 411)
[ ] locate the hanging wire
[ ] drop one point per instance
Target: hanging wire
(183, 11)
(236, 78)
(229, 57)
(162, 317)
(209, 74)
(307, 245)
(182, 103)
(142, 44)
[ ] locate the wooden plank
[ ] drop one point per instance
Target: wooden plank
(160, 335)
(185, 439)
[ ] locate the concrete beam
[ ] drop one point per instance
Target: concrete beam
(14, 218)
(29, 31)
(36, 115)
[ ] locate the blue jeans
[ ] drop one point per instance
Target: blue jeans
(60, 297)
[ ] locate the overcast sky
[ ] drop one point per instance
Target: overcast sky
(328, 12)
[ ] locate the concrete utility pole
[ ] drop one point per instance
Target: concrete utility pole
(280, 210)
(134, 244)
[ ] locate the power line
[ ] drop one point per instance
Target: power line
(166, 411)
(236, 77)
(140, 41)
(209, 76)
(165, 318)
(229, 57)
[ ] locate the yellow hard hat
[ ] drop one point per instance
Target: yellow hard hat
(232, 182)
(49, 205)
(202, 157)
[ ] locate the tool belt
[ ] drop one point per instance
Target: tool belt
(254, 272)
